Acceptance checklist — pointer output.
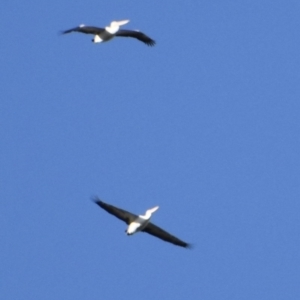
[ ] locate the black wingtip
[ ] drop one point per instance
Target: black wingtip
(151, 43)
(189, 246)
(65, 31)
(96, 199)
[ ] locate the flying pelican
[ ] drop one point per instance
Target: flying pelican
(107, 33)
(141, 223)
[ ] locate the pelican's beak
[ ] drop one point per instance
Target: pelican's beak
(152, 210)
(120, 23)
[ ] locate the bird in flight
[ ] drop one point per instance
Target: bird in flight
(141, 223)
(107, 33)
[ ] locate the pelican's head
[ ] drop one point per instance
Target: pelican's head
(119, 23)
(115, 25)
(149, 213)
(152, 210)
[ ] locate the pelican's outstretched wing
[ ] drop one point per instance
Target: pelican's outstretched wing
(85, 29)
(121, 214)
(136, 34)
(160, 233)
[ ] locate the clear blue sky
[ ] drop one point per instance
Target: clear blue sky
(205, 124)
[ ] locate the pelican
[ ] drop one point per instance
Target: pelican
(141, 223)
(107, 33)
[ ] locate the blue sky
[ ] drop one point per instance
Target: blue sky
(205, 125)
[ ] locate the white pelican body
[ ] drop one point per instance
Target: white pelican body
(141, 223)
(107, 33)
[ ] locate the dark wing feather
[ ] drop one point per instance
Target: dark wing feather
(160, 233)
(136, 34)
(85, 29)
(121, 214)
